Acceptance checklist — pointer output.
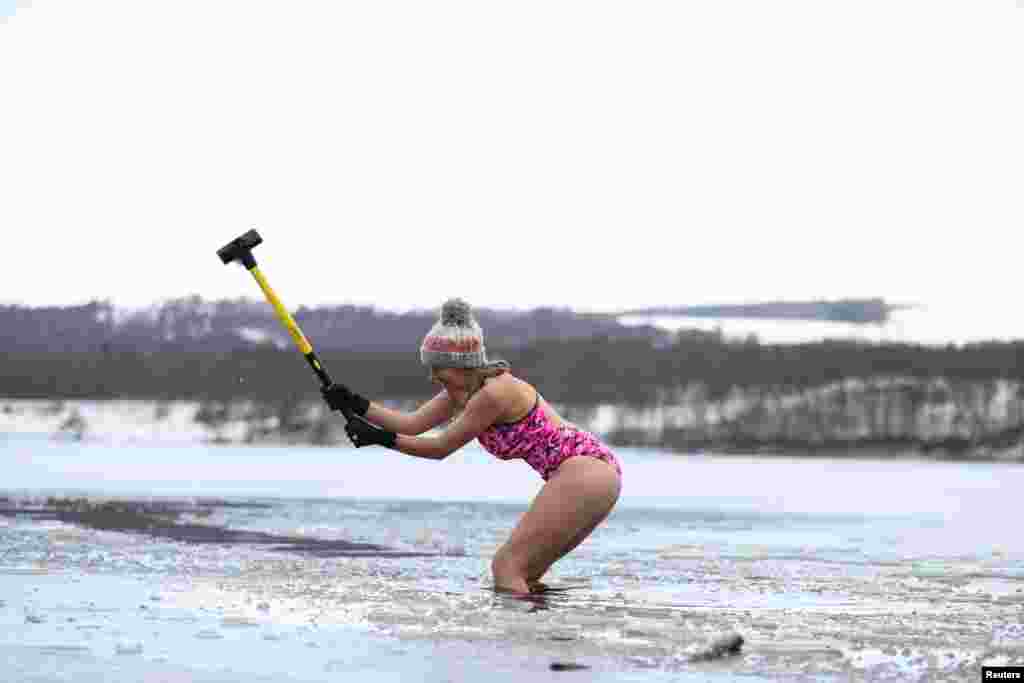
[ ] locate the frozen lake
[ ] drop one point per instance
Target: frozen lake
(896, 567)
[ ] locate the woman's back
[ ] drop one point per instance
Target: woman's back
(540, 437)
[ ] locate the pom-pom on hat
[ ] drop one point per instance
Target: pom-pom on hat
(455, 340)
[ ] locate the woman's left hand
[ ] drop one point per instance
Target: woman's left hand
(363, 433)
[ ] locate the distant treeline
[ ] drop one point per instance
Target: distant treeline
(192, 324)
(584, 371)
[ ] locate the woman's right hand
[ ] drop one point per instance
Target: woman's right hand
(339, 397)
(363, 433)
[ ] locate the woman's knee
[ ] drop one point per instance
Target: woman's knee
(509, 570)
(506, 563)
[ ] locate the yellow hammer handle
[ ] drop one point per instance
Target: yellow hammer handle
(282, 313)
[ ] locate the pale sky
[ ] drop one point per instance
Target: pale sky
(588, 154)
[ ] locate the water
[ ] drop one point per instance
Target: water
(826, 567)
(954, 322)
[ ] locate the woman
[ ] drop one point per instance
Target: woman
(484, 401)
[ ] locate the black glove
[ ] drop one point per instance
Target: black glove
(364, 433)
(339, 398)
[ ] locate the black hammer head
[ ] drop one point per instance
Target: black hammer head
(240, 249)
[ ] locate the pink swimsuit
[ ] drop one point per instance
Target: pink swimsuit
(538, 441)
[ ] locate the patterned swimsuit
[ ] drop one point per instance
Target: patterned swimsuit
(542, 444)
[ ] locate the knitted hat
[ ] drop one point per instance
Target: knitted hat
(456, 340)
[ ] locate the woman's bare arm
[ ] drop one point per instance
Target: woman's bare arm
(429, 415)
(481, 412)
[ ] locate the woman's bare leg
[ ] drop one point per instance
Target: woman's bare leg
(570, 506)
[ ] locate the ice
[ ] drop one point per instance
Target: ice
(129, 647)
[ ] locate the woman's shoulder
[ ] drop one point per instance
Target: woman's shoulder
(507, 388)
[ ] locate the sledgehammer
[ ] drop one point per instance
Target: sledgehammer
(240, 249)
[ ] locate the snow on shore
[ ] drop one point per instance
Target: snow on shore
(116, 421)
(988, 416)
